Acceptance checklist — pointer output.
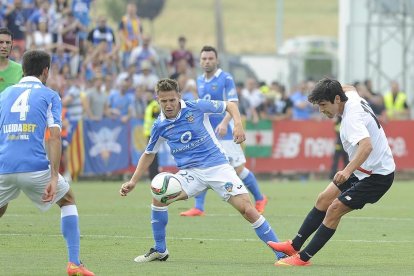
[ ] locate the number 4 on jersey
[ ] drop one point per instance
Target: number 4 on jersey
(21, 106)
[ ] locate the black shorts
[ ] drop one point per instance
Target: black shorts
(356, 193)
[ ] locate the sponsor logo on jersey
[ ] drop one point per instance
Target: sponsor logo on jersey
(189, 146)
(19, 128)
(186, 137)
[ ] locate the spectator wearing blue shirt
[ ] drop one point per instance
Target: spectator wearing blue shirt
(120, 103)
(302, 109)
(102, 32)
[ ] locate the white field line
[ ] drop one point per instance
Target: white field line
(189, 238)
(238, 215)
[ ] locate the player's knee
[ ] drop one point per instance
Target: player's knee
(239, 169)
(67, 199)
(336, 209)
(158, 204)
(249, 212)
(323, 201)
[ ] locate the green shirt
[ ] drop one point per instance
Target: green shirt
(11, 75)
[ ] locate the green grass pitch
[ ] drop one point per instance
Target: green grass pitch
(377, 240)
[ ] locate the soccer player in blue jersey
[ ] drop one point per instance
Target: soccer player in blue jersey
(199, 156)
(216, 84)
(26, 110)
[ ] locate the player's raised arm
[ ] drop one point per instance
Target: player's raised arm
(144, 162)
(238, 131)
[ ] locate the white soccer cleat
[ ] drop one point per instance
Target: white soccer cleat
(152, 255)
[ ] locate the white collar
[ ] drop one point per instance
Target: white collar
(30, 79)
(216, 74)
(162, 116)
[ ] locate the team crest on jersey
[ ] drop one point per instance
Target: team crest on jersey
(214, 86)
(190, 117)
(228, 186)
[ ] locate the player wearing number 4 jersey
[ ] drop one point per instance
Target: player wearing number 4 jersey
(366, 178)
(26, 110)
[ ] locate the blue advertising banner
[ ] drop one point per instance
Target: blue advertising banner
(106, 146)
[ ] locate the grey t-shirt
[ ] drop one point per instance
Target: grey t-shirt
(97, 100)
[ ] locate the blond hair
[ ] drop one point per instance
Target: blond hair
(164, 85)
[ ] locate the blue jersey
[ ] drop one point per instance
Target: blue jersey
(220, 87)
(122, 102)
(26, 110)
(81, 11)
(190, 136)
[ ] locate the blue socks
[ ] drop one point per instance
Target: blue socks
(199, 200)
(70, 231)
(159, 220)
(266, 233)
(250, 181)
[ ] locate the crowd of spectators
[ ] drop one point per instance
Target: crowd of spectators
(101, 73)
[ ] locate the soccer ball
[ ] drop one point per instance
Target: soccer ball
(165, 187)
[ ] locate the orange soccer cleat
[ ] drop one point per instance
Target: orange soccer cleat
(193, 212)
(292, 261)
(261, 204)
(78, 270)
(284, 247)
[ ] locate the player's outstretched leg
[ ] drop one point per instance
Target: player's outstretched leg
(250, 181)
(71, 233)
(198, 210)
(265, 232)
(159, 220)
(322, 236)
(324, 233)
(260, 225)
(311, 223)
